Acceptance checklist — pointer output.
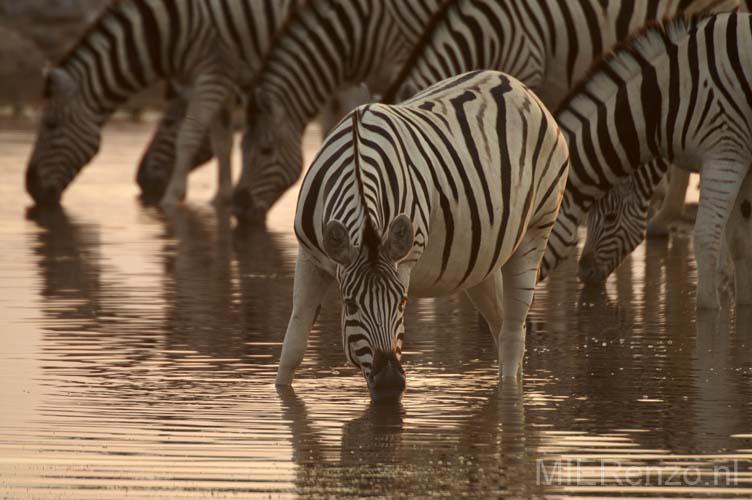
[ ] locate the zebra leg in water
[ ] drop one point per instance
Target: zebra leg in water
(673, 203)
(211, 90)
(486, 297)
(221, 141)
(309, 289)
(739, 241)
(519, 276)
(718, 192)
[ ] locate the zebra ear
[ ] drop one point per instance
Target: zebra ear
(337, 242)
(400, 237)
(60, 83)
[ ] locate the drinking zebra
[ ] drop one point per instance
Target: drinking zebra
(209, 45)
(616, 225)
(680, 92)
(547, 44)
(330, 44)
(450, 191)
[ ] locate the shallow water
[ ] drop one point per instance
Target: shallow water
(138, 350)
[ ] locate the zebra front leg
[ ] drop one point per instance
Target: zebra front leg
(673, 203)
(311, 284)
(739, 241)
(519, 276)
(719, 187)
(487, 298)
(221, 139)
(209, 93)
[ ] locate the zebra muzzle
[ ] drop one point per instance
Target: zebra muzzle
(387, 378)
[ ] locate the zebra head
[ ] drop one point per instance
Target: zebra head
(272, 157)
(68, 137)
(374, 298)
(158, 161)
(616, 226)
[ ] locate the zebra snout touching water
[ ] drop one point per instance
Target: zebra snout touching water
(450, 191)
(674, 92)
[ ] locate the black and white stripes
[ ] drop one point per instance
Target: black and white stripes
(197, 43)
(327, 45)
(682, 92)
(443, 193)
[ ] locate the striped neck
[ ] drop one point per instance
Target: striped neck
(327, 45)
(133, 44)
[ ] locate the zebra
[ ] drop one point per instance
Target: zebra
(547, 44)
(617, 224)
(676, 93)
(449, 191)
(677, 182)
(327, 45)
(210, 45)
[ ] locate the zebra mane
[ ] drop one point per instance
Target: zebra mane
(371, 236)
(440, 15)
(645, 43)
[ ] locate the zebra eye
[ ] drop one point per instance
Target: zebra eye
(266, 151)
(611, 217)
(352, 306)
(50, 123)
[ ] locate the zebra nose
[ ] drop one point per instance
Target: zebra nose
(42, 195)
(152, 178)
(387, 378)
(245, 209)
(588, 272)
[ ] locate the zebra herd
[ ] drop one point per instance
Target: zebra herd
(452, 175)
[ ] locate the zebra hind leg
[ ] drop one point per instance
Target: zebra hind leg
(221, 140)
(519, 276)
(210, 92)
(487, 298)
(309, 288)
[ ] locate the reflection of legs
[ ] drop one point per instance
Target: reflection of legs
(311, 284)
(486, 297)
(221, 140)
(673, 204)
(739, 242)
(718, 190)
(519, 277)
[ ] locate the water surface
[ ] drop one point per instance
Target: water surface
(138, 352)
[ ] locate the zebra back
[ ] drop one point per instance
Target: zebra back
(669, 93)
(547, 44)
